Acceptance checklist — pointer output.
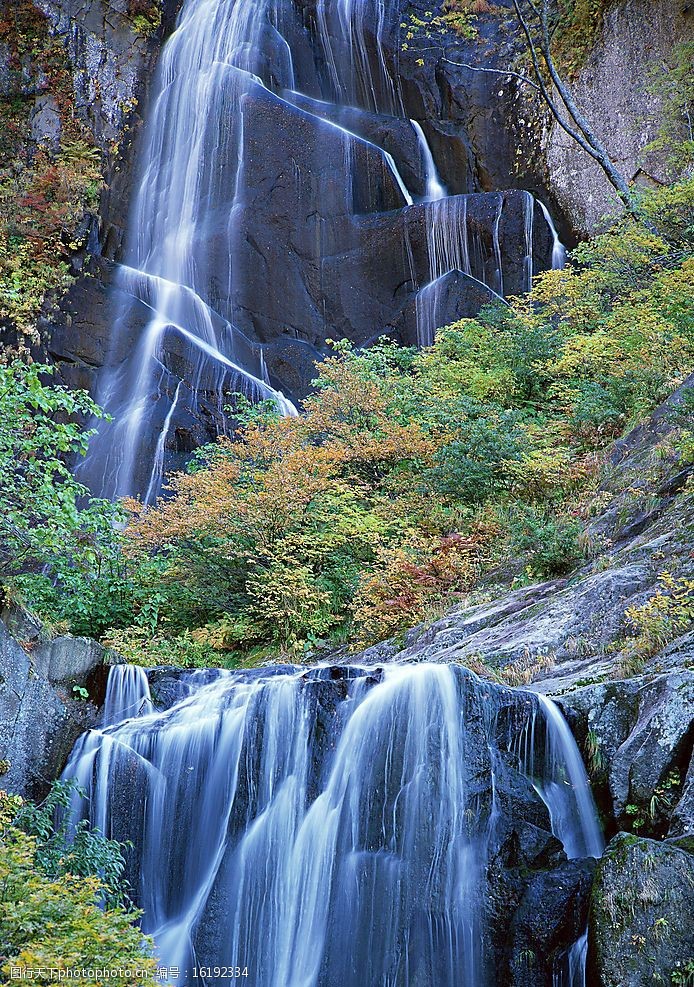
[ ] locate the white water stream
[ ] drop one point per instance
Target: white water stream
(177, 354)
(321, 830)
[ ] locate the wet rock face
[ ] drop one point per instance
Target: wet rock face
(323, 219)
(551, 913)
(40, 718)
(317, 239)
(81, 337)
(641, 919)
(472, 120)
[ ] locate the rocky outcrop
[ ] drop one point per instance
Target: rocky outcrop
(109, 53)
(615, 91)
(641, 919)
(640, 733)
(41, 716)
(323, 218)
(490, 130)
(112, 50)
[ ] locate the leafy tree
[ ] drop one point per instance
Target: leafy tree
(38, 494)
(62, 848)
(408, 477)
(673, 84)
(55, 541)
(53, 921)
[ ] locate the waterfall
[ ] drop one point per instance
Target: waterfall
(435, 189)
(127, 694)
(235, 251)
(352, 35)
(565, 789)
(558, 248)
(570, 971)
(574, 819)
(320, 827)
(528, 216)
(450, 249)
(561, 781)
(182, 212)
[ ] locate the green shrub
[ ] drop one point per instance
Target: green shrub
(549, 543)
(61, 848)
(52, 919)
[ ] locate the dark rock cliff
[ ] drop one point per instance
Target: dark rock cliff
(487, 133)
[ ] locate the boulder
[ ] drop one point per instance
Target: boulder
(641, 732)
(551, 913)
(40, 718)
(641, 923)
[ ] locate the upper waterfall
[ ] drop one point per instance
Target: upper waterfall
(189, 163)
(274, 208)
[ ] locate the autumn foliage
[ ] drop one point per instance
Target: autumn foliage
(408, 479)
(49, 183)
(285, 521)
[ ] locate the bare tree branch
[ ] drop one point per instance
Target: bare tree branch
(582, 132)
(481, 68)
(591, 143)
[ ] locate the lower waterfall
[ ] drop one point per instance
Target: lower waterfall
(333, 825)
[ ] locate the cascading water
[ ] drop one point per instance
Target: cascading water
(570, 970)
(565, 790)
(184, 205)
(435, 189)
(453, 249)
(330, 826)
(352, 35)
(127, 695)
(234, 251)
(528, 211)
(574, 819)
(558, 248)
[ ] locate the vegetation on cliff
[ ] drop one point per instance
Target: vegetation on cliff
(48, 524)
(50, 170)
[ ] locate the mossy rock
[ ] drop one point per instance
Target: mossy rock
(641, 922)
